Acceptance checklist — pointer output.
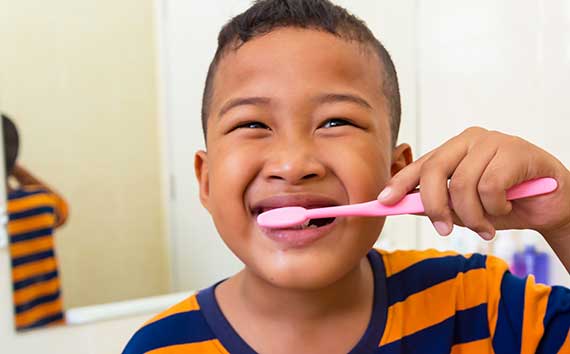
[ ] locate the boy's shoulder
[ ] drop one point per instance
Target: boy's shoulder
(169, 330)
(430, 272)
(430, 260)
(33, 199)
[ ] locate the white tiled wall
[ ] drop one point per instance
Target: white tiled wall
(503, 65)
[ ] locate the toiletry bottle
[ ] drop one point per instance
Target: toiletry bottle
(531, 261)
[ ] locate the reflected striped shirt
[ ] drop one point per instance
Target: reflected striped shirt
(425, 302)
(33, 214)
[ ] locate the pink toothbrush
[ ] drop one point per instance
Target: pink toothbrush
(410, 204)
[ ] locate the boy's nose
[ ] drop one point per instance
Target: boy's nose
(294, 163)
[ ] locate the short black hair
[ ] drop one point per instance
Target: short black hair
(265, 16)
(11, 144)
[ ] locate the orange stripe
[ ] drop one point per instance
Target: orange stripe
(434, 305)
(61, 210)
(481, 346)
(32, 269)
(33, 201)
(34, 291)
(210, 346)
(25, 248)
(56, 323)
(496, 268)
(41, 311)
(30, 224)
(190, 304)
(397, 261)
(535, 301)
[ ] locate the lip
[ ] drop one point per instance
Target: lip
(292, 237)
(295, 238)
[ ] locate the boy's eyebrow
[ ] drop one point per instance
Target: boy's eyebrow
(243, 101)
(324, 98)
(341, 97)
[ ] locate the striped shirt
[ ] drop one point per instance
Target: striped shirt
(425, 302)
(33, 215)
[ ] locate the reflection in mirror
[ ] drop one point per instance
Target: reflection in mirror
(79, 80)
(35, 211)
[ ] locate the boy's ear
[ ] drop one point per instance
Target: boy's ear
(201, 171)
(401, 157)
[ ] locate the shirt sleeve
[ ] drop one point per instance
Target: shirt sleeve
(61, 209)
(526, 317)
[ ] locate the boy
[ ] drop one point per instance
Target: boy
(34, 212)
(301, 107)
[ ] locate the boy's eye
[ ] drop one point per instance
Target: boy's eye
(336, 122)
(252, 125)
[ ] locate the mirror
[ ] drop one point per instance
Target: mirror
(79, 81)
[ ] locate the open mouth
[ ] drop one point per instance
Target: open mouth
(318, 222)
(309, 224)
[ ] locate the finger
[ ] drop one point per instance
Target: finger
(409, 177)
(403, 182)
(433, 187)
(503, 172)
(463, 189)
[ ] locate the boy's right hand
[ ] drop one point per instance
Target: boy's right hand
(481, 165)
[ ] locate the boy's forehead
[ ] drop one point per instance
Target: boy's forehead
(292, 61)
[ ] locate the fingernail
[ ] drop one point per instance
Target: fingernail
(385, 193)
(442, 228)
(486, 235)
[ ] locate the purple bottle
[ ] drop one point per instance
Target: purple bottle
(530, 261)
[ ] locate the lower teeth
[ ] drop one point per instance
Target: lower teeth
(306, 225)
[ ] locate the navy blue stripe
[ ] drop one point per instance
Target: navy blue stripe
(429, 272)
(32, 212)
(22, 193)
(32, 258)
(508, 332)
(34, 280)
(43, 321)
(216, 320)
(466, 326)
(36, 302)
(369, 341)
(471, 325)
(556, 321)
(180, 328)
(26, 236)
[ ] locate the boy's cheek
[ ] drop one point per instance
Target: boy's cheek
(364, 175)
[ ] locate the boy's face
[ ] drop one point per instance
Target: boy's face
(297, 118)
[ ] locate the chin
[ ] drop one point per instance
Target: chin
(311, 266)
(304, 270)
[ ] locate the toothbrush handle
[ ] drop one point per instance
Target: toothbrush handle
(412, 203)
